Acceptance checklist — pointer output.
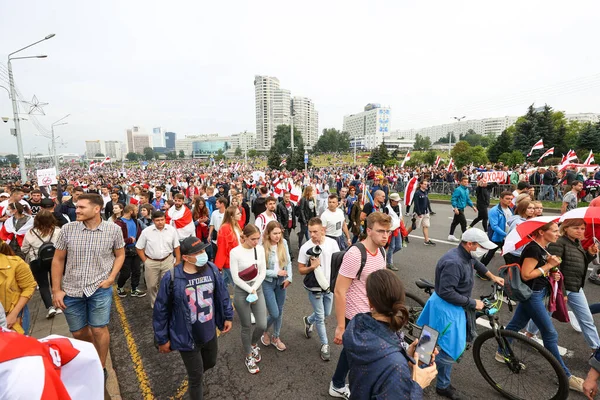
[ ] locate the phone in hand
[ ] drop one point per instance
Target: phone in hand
(426, 346)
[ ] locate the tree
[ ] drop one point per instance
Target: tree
(422, 142)
(502, 144)
(131, 156)
(274, 159)
(512, 159)
(181, 154)
(252, 153)
(589, 138)
(99, 155)
(446, 138)
(220, 155)
(12, 158)
(296, 160)
(477, 156)
(430, 157)
(379, 155)
(171, 155)
(148, 153)
(332, 140)
(156, 155)
(461, 154)
(281, 140)
(238, 152)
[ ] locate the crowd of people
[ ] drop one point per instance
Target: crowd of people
(200, 233)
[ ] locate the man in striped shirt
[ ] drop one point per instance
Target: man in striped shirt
(95, 250)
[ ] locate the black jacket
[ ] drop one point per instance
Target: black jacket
(304, 211)
(69, 208)
(283, 215)
(60, 218)
(483, 196)
(574, 261)
(247, 209)
(259, 206)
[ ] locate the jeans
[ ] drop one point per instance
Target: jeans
(302, 233)
(93, 311)
(25, 319)
(342, 368)
(196, 362)
(444, 363)
(394, 246)
(227, 279)
(578, 303)
(321, 303)
(546, 193)
(244, 309)
(535, 309)
(459, 219)
(132, 266)
(275, 299)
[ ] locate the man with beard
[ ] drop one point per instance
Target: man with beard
(181, 218)
(35, 202)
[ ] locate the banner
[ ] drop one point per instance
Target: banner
(495, 176)
(46, 177)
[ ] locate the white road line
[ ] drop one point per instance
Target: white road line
(434, 240)
(468, 220)
(563, 352)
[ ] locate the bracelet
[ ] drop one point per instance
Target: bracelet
(542, 271)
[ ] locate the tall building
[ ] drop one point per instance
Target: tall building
(244, 140)
(158, 137)
(202, 146)
(93, 147)
(137, 140)
(114, 149)
(306, 120)
(368, 128)
(170, 138)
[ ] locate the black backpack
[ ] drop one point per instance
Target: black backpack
(45, 253)
(338, 257)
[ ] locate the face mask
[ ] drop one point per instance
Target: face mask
(201, 260)
(478, 253)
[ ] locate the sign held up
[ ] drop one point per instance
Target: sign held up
(46, 177)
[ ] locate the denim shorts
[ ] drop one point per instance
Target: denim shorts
(93, 311)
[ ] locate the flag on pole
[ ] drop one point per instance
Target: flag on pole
(106, 160)
(451, 164)
(437, 161)
(589, 159)
(162, 164)
(221, 163)
(563, 160)
(283, 163)
(406, 158)
(548, 152)
(409, 193)
(92, 166)
(537, 146)
(571, 155)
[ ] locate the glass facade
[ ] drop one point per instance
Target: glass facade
(210, 147)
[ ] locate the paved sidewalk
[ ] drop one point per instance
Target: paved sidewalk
(42, 327)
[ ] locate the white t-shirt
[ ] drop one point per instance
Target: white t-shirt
(216, 219)
(241, 258)
(328, 247)
(333, 222)
(262, 221)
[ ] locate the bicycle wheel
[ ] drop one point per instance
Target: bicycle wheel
(414, 305)
(533, 373)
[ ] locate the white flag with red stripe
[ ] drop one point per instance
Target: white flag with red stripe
(182, 221)
(283, 163)
(571, 155)
(590, 159)
(295, 194)
(409, 193)
(451, 164)
(106, 160)
(221, 163)
(406, 158)
(92, 166)
(437, 161)
(548, 152)
(537, 146)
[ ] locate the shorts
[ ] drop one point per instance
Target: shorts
(424, 221)
(93, 311)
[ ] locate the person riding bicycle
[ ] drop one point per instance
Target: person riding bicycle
(446, 310)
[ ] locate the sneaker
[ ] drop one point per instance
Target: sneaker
(278, 344)
(256, 353)
(576, 383)
(51, 312)
(594, 278)
(500, 358)
(429, 243)
(574, 322)
(121, 292)
(406, 240)
(343, 393)
(432, 212)
(325, 354)
(450, 392)
(453, 238)
(252, 319)
(483, 278)
(405, 243)
(137, 293)
(308, 327)
(392, 267)
(58, 311)
(251, 365)
(265, 339)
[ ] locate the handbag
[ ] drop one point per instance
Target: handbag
(514, 287)
(251, 272)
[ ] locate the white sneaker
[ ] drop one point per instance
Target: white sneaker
(252, 319)
(343, 393)
(574, 322)
(58, 311)
(453, 238)
(51, 312)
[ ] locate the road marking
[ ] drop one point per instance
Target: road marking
(434, 240)
(138, 366)
(468, 220)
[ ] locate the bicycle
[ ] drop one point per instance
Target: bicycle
(514, 365)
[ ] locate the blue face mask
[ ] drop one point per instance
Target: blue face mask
(201, 260)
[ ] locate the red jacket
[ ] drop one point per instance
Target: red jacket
(226, 241)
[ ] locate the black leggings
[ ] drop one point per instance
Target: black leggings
(131, 267)
(196, 362)
(482, 215)
(459, 219)
(41, 273)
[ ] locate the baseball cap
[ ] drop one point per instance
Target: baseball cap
(4, 194)
(192, 245)
(395, 197)
(47, 203)
(479, 236)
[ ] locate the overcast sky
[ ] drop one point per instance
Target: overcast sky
(188, 66)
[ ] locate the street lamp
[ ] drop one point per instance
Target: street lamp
(450, 136)
(13, 98)
(54, 156)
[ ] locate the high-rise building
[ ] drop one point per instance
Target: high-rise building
(368, 128)
(93, 147)
(114, 149)
(306, 120)
(201, 146)
(158, 137)
(170, 138)
(137, 140)
(244, 140)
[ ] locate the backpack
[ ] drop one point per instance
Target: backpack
(338, 257)
(514, 287)
(45, 253)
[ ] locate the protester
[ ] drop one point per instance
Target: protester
(286, 215)
(334, 222)
(307, 210)
(131, 229)
(15, 227)
(228, 239)
(460, 199)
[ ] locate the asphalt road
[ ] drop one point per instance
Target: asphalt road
(298, 372)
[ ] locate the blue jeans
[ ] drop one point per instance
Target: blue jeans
(321, 303)
(26, 319)
(535, 309)
(275, 299)
(227, 279)
(444, 363)
(93, 311)
(395, 245)
(578, 303)
(546, 193)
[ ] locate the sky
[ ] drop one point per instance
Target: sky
(188, 66)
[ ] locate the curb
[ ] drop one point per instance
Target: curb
(112, 390)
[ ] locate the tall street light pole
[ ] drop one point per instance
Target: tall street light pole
(54, 156)
(450, 135)
(13, 97)
(292, 124)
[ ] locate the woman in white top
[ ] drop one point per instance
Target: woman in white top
(44, 230)
(248, 270)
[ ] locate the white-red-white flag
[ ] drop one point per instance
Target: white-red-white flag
(409, 193)
(590, 159)
(571, 155)
(283, 163)
(437, 161)
(106, 160)
(548, 152)
(537, 146)
(451, 164)
(92, 166)
(221, 163)
(563, 160)
(406, 158)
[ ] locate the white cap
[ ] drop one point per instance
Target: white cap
(479, 236)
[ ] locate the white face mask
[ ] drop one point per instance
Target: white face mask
(478, 253)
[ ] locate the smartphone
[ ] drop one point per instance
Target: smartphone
(427, 343)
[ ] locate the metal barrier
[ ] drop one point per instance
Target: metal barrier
(542, 192)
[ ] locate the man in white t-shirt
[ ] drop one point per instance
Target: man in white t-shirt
(320, 299)
(216, 219)
(351, 293)
(334, 222)
(267, 216)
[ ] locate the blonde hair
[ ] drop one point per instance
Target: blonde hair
(282, 254)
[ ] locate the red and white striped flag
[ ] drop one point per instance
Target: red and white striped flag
(589, 159)
(437, 161)
(548, 152)
(409, 193)
(537, 146)
(92, 166)
(406, 158)
(451, 164)
(283, 163)
(162, 164)
(563, 160)
(106, 160)
(571, 155)
(221, 163)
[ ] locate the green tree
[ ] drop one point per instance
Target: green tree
(332, 140)
(156, 155)
(131, 156)
(478, 156)
(274, 159)
(525, 134)
(572, 131)
(512, 159)
(502, 144)
(252, 153)
(238, 152)
(461, 154)
(282, 139)
(379, 155)
(220, 155)
(589, 138)
(296, 160)
(422, 142)
(395, 154)
(99, 155)
(430, 157)
(148, 153)
(181, 154)
(12, 158)
(171, 155)
(446, 138)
